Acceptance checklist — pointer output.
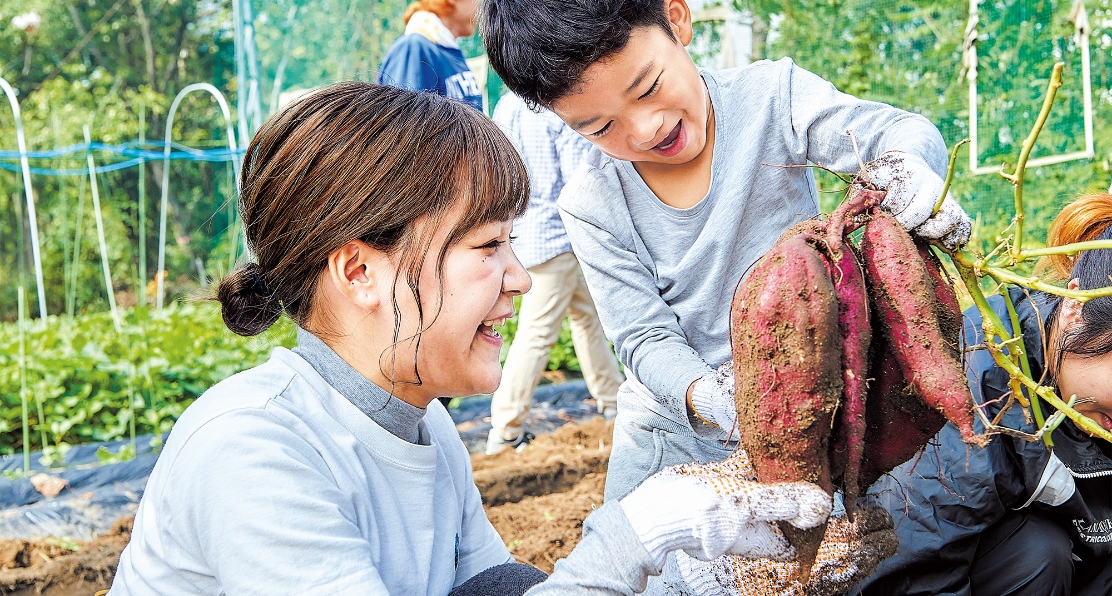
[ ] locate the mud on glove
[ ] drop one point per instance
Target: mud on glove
(708, 510)
(913, 188)
(849, 553)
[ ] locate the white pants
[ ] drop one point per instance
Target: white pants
(559, 290)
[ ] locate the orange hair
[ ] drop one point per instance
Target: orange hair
(440, 8)
(1085, 219)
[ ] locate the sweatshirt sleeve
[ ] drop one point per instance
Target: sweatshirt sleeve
(644, 329)
(819, 116)
(610, 559)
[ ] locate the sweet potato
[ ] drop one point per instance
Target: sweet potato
(845, 218)
(787, 367)
(856, 332)
(814, 227)
(902, 294)
(898, 422)
(946, 304)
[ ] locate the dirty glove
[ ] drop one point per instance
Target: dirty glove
(708, 510)
(849, 553)
(713, 399)
(913, 188)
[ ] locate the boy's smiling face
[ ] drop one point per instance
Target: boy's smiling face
(647, 102)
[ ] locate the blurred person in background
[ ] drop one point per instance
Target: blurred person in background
(428, 58)
(552, 152)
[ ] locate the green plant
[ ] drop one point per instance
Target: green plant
(97, 384)
(999, 268)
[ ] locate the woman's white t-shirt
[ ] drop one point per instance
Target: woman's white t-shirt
(273, 482)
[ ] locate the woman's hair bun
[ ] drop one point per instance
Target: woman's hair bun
(247, 305)
(1087, 218)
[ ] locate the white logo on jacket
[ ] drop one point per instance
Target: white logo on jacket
(462, 85)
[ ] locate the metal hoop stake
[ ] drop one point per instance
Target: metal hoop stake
(164, 207)
(29, 192)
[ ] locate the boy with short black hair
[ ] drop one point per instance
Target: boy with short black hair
(700, 171)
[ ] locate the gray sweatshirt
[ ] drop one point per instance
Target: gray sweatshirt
(610, 556)
(662, 277)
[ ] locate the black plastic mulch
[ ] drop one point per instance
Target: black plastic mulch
(98, 494)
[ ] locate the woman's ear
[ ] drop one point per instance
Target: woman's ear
(679, 15)
(355, 271)
(1071, 309)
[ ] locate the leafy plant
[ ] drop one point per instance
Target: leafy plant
(97, 384)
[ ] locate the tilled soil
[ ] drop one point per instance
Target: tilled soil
(536, 498)
(52, 568)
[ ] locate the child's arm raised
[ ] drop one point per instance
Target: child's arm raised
(915, 157)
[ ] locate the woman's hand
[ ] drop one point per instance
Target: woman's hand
(708, 510)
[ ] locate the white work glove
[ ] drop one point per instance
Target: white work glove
(913, 188)
(849, 553)
(708, 510)
(713, 399)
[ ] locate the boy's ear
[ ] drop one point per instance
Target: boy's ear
(679, 15)
(355, 270)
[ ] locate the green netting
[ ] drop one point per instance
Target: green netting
(104, 63)
(910, 54)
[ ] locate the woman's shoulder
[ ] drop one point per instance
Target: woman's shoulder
(248, 390)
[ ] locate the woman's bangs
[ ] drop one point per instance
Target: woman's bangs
(492, 177)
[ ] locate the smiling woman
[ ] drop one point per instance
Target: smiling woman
(380, 221)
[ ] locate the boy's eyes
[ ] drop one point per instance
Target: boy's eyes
(649, 93)
(656, 85)
(602, 130)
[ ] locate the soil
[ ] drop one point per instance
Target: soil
(59, 568)
(536, 499)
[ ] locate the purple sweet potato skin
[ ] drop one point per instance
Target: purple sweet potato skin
(853, 322)
(903, 299)
(787, 368)
(946, 301)
(897, 422)
(845, 218)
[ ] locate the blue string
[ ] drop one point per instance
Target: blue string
(132, 149)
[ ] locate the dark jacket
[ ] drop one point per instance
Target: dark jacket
(416, 63)
(944, 498)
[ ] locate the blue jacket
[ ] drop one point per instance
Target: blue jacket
(942, 501)
(414, 62)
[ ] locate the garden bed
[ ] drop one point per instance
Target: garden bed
(536, 498)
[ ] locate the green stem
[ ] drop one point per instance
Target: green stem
(949, 177)
(1025, 153)
(993, 325)
(1004, 276)
(1066, 249)
(1020, 350)
(23, 382)
(142, 209)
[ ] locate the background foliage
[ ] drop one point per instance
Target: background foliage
(85, 373)
(103, 62)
